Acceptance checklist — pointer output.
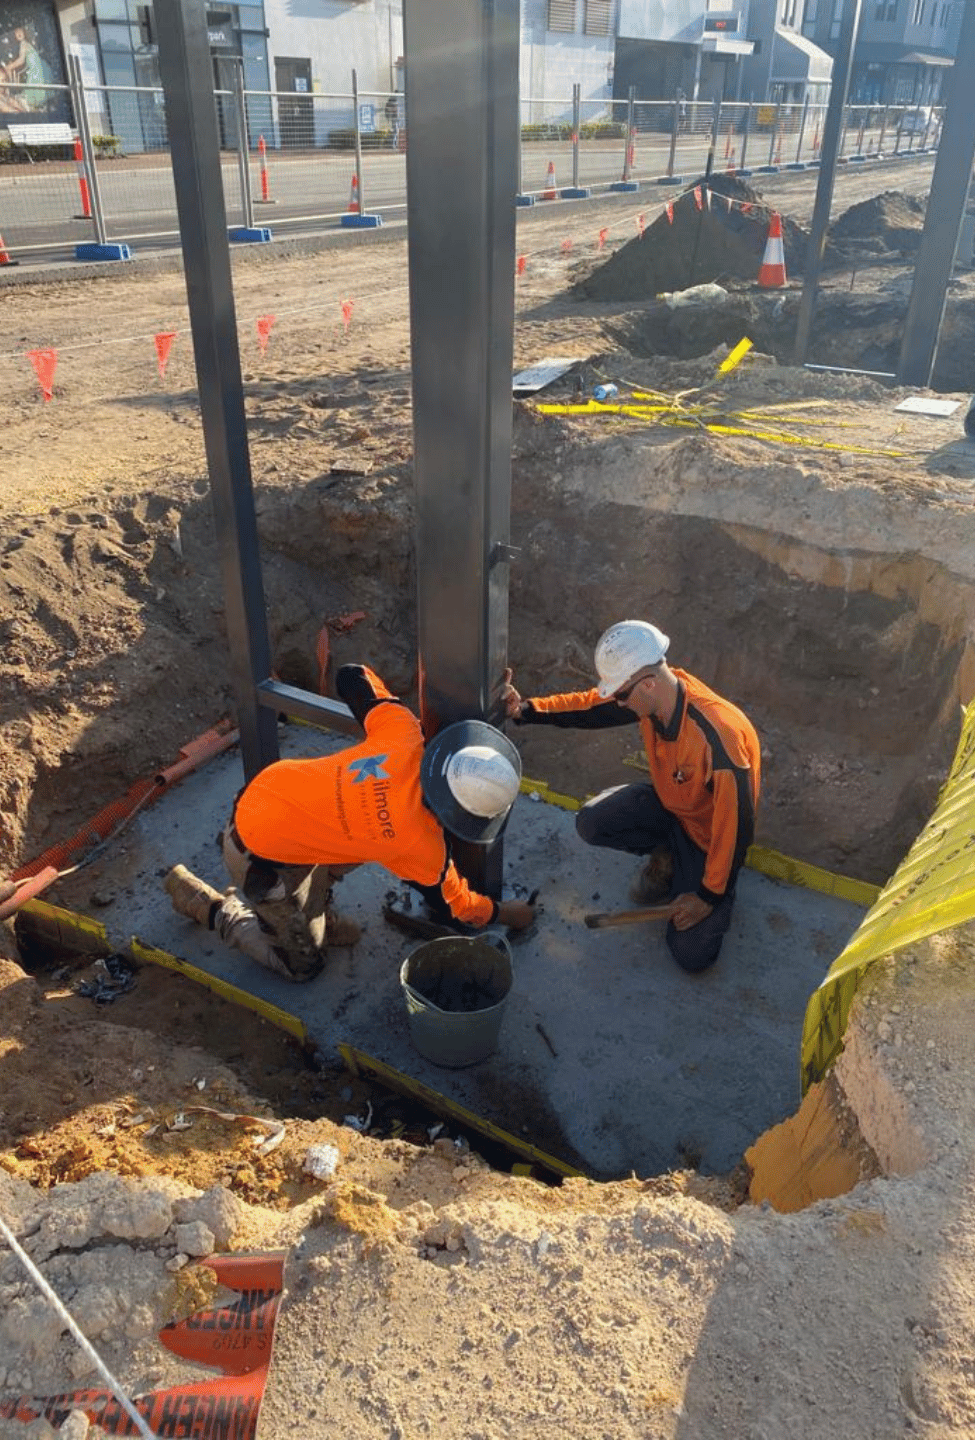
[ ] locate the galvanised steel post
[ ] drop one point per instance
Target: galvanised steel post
(576, 122)
(462, 97)
(630, 133)
(675, 126)
(87, 147)
(360, 189)
(842, 66)
(243, 162)
(943, 218)
(802, 129)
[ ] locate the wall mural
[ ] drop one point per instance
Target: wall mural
(31, 61)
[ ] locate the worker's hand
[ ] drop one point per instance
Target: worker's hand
(516, 914)
(510, 698)
(690, 910)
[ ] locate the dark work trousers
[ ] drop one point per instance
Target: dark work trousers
(631, 818)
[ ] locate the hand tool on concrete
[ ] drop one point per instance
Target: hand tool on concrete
(601, 921)
(518, 937)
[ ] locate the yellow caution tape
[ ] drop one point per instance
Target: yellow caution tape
(551, 797)
(358, 1061)
(223, 988)
(684, 417)
(932, 889)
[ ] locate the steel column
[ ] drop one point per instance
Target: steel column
(187, 76)
(942, 222)
(462, 172)
(842, 66)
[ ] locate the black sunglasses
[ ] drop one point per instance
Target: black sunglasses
(621, 696)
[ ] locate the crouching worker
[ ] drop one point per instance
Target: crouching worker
(696, 818)
(300, 825)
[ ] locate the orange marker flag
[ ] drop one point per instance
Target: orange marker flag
(698, 201)
(566, 246)
(264, 323)
(602, 236)
(45, 362)
(164, 343)
(641, 221)
(347, 307)
(522, 262)
(670, 212)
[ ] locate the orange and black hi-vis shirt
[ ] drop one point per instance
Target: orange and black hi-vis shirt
(361, 805)
(705, 766)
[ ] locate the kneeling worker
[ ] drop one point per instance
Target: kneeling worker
(300, 825)
(696, 819)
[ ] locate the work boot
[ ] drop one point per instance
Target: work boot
(653, 883)
(340, 932)
(192, 897)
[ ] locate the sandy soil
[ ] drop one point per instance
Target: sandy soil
(429, 1294)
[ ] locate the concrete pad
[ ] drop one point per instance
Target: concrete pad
(652, 1068)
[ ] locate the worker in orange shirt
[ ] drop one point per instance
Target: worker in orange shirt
(300, 825)
(696, 817)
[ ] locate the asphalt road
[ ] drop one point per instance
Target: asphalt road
(41, 211)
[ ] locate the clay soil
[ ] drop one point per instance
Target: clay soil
(114, 656)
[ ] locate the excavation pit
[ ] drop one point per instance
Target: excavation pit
(612, 1061)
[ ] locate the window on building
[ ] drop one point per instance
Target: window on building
(562, 15)
(597, 17)
(918, 14)
(834, 24)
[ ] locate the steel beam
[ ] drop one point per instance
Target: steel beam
(942, 222)
(462, 177)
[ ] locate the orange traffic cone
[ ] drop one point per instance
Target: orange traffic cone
(772, 272)
(550, 191)
(354, 207)
(4, 257)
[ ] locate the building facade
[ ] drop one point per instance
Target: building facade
(735, 50)
(903, 51)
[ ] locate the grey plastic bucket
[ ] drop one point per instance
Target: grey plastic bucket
(456, 989)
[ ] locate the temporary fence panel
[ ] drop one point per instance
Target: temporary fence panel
(302, 154)
(41, 190)
(308, 167)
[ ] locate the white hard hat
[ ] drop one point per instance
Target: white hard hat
(470, 777)
(625, 649)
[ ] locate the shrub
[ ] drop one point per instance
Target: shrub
(371, 139)
(107, 147)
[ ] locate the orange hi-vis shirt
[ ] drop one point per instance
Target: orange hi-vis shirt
(359, 806)
(705, 766)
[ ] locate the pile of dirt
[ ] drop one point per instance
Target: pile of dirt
(718, 231)
(892, 221)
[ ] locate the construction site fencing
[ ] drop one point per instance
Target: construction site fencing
(101, 169)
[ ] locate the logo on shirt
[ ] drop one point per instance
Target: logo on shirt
(678, 777)
(369, 768)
